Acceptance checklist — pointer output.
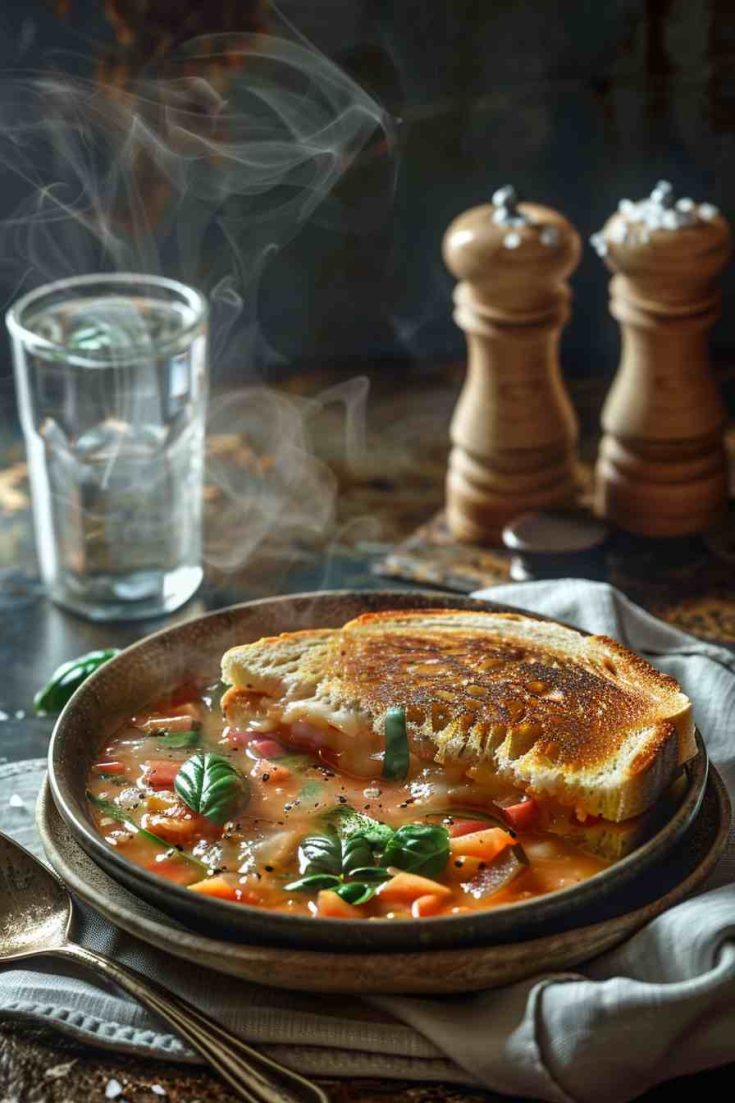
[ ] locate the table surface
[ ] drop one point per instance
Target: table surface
(385, 487)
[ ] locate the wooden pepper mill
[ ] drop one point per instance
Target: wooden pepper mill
(514, 430)
(662, 468)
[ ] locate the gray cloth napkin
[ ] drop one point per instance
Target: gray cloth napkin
(661, 1005)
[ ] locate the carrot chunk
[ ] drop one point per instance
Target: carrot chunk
(179, 830)
(481, 844)
(431, 904)
(271, 772)
(217, 887)
(109, 767)
(406, 887)
(168, 723)
(161, 773)
(522, 816)
(332, 906)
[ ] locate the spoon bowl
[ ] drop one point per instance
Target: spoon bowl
(35, 907)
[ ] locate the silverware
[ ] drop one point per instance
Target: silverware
(36, 916)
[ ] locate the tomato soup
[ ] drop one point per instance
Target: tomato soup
(268, 815)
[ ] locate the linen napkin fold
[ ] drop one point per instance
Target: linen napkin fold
(660, 1005)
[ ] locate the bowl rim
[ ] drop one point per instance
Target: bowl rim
(581, 894)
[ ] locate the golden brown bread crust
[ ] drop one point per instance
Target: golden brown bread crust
(549, 710)
(583, 715)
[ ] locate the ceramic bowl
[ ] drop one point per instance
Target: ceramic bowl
(194, 648)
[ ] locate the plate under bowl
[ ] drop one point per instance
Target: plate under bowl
(417, 972)
(193, 649)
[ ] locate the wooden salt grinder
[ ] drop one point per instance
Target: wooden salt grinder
(662, 467)
(514, 431)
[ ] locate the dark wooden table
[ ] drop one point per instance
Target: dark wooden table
(383, 495)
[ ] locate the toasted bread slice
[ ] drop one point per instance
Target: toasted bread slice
(579, 718)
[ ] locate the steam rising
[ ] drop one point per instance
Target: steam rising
(201, 175)
(234, 156)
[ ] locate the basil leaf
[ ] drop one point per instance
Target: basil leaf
(356, 892)
(418, 848)
(320, 854)
(396, 757)
(67, 678)
(371, 873)
(210, 785)
(314, 883)
(178, 740)
(356, 852)
(347, 822)
(116, 813)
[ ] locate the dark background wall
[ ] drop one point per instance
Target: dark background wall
(576, 103)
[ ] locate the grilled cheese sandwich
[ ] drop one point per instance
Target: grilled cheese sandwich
(578, 721)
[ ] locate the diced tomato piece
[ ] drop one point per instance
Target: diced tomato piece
(431, 904)
(332, 906)
(522, 816)
(466, 827)
(174, 868)
(161, 773)
(266, 748)
(481, 844)
(217, 887)
(406, 887)
(113, 767)
(177, 723)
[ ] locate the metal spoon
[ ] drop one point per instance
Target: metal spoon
(36, 915)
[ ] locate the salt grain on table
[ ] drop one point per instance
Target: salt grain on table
(158, 1089)
(113, 1090)
(16, 801)
(57, 1072)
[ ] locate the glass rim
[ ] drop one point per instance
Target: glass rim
(13, 316)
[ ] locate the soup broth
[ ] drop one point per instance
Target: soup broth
(279, 817)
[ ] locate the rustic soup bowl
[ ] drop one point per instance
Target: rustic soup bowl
(193, 649)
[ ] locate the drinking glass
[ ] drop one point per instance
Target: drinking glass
(111, 377)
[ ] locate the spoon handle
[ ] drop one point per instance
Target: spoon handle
(255, 1077)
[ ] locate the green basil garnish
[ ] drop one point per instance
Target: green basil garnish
(355, 892)
(371, 873)
(396, 757)
(67, 678)
(176, 741)
(356, 853)
(320, 854)
(418, 848)
(116, 813)
(346, 821)
(210, 785)
(326, 861)
(314, 883)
